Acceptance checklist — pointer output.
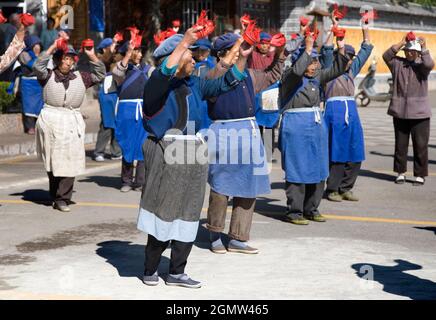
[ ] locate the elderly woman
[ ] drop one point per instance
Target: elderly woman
(410, 106)
(173, 193)
(60, 126)
(14, 49)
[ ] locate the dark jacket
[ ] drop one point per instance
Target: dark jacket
(410, 96)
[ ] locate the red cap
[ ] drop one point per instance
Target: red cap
(27, 19)
(176, 23)
(2, 18)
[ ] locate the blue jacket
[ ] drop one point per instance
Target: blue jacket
(169, 103)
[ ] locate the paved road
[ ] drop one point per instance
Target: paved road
(382, 247)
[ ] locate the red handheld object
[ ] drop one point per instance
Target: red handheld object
(339, 32)
(369, 15)
(87, 43)
(304, 21)
(411, 36)
(252, 34)
(162, 36)
(208, 25)
(137, 41)
(2, 18)
(312, 31)
(62, 44)
(176, 23)
(245, 20)
(118, 37)
(27, 19)
(278, 40)
(338, 13)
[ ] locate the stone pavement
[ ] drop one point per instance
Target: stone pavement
(382, 247)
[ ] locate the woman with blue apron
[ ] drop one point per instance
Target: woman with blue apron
(107, 98)
(303, 135)
(174, 188)
(131, 76)
(238, 166)
(346, 140)
(31, 90)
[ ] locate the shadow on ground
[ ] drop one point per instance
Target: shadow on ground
(433, 229)
(396, 281)
(37, 196)
(104, 181)
(128, 258)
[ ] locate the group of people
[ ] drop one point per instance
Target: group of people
(162, 118)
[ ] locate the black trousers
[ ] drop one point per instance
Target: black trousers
(105, 136)
(268, 138)
(419, 129)
(179, 255)
(29, 122)
(127, 170)
(343, 176)
(304, 199)
(61, 188)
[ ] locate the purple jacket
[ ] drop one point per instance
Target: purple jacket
(410, 96)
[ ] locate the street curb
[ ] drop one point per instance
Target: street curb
(29, 147)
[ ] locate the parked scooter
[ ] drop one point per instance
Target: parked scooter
(367, 92)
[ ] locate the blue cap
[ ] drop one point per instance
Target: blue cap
(225, 41)
(168, 46)
(31, 41)
(299, 52)
(349, 50)
(265, 36)
(107, 42)
(202, 44)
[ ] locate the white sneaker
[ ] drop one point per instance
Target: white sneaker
(99, 158)
(400, 179)
(419, 181)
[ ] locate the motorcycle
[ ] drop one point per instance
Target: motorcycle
(367, 93)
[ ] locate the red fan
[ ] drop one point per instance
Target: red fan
(252, 34)
(304, 21)
(162, 36)
(137, 41)
(208, 25)
(278, 40)
(62, 44)
(87, 44)
(245, 20)
(338, 13)
(369, 15)
(2, 18)
(339, 32)
(294, 36)
(26, 19)
(118, 37)
(312, 31)
(411, 36)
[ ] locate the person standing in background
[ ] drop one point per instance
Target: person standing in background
(410, 106)
(49, 34)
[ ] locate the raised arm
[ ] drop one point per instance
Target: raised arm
(427, 64)
(13, 51)
(390, 54)
(264, 79)
(97, 72)
(120, 68)
(364, 52)
(339, 65)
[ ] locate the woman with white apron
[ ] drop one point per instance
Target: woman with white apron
(303, 135)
